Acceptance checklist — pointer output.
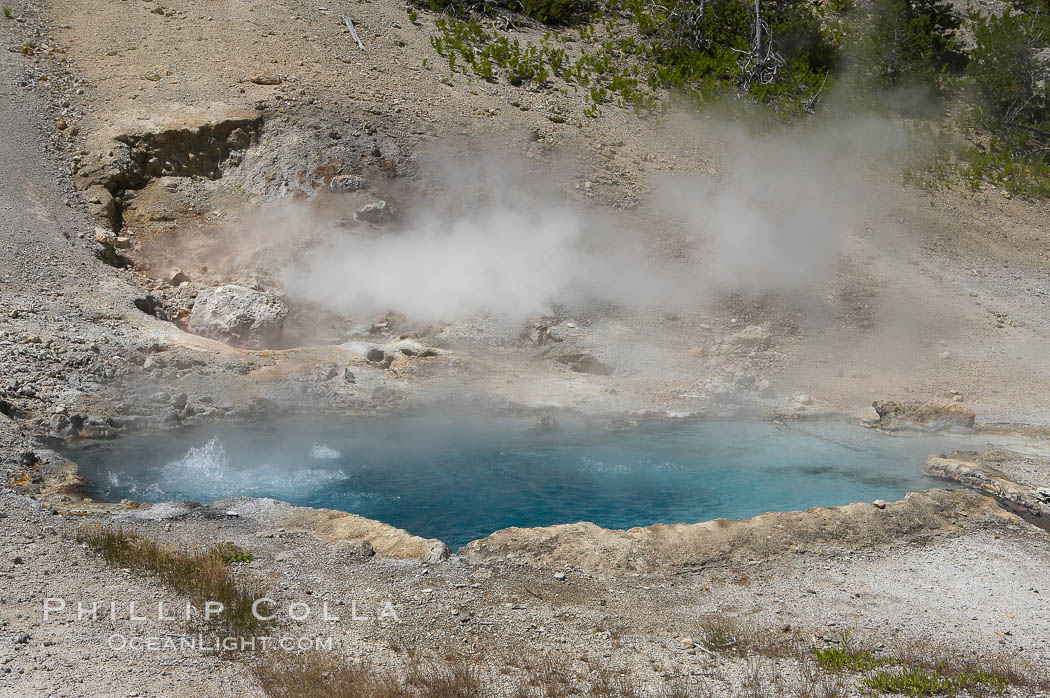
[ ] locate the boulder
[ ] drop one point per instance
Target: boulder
(924, 416)
(239, 316)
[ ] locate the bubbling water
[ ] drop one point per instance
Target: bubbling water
(461, 478)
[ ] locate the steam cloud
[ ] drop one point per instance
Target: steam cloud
(776, 216)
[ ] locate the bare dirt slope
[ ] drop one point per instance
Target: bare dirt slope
(950, 304)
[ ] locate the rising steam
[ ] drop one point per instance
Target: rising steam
(494, 240)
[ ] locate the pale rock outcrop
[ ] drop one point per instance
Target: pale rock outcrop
(985, 478)
(675, 548)
(239, 316)
(923, 416)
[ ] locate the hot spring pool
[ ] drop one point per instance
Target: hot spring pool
(459, 479)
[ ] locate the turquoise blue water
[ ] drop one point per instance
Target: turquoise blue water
(458, 478)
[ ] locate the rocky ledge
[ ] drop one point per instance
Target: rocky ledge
(266, 516)
(979, 471)
(682, 547)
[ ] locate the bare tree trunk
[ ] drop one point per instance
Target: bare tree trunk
(757, 48)
(698, 22)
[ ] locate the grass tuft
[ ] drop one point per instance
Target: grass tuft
(231, 553)
(849, 657)
(918, 681)
(201, 574)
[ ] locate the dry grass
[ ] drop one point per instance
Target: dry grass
(723, 633)
(778, 665)
(201, 574)
(608, 683)
(318, 675)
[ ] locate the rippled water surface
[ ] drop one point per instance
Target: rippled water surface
(462, 478)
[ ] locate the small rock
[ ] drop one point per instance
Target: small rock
(323, 372)
(582, 362)
(757, 336)
(686, 643)
(179, 401)
(60, 425)
(559, 576)
(61, 124)
(804, 399)
(879, 503)
(18, 560)
(348, 376)
(364, 549)
(438, 552)
(945, 355)
(176, 276)
(264, 79)
(376, 212)
(343, 184)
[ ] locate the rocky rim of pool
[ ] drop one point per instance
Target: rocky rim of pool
(651, 548)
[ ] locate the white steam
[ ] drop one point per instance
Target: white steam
(777, 215)
(502, 261)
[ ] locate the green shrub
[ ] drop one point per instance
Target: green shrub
(917, 681)
(1006, 71)
(230, 553)
(8, 11)
(553, 12)
(556, 11)
(837, 659)
(1010, 102)
(702, 52)
(913, 42)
